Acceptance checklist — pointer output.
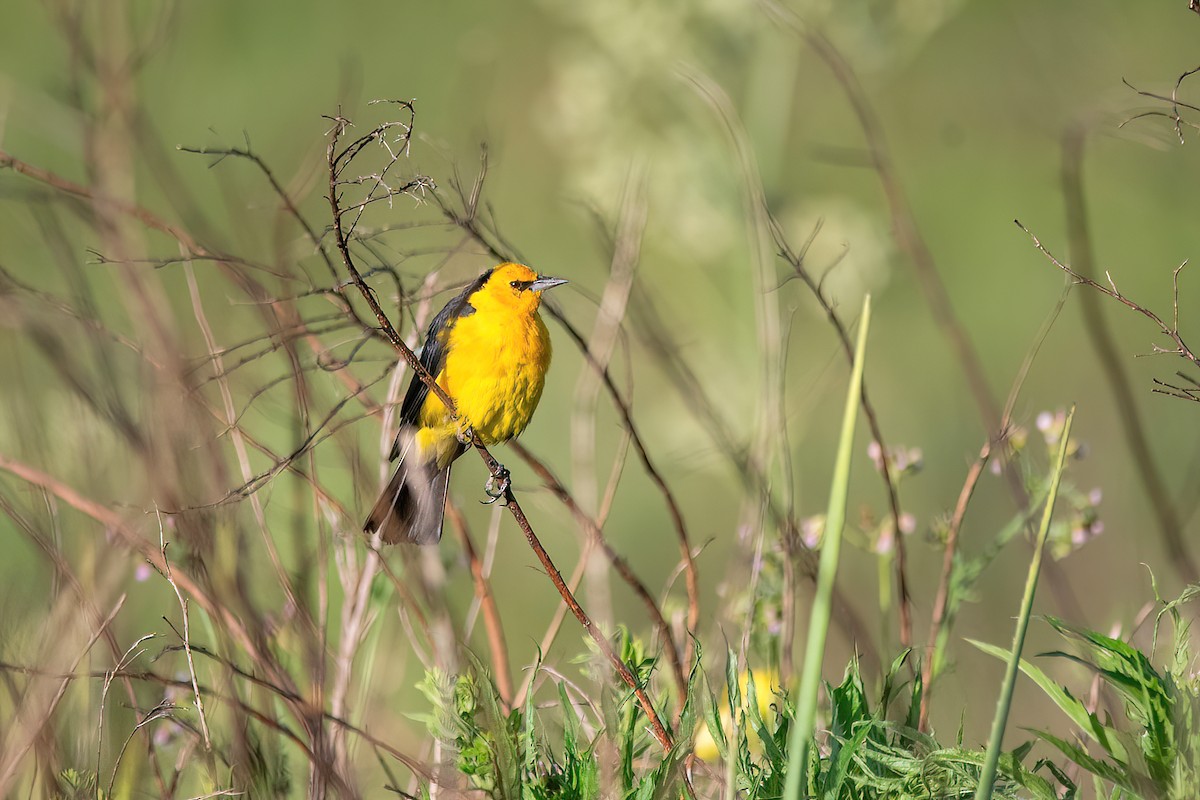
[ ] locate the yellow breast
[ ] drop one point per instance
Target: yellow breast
(495, 370)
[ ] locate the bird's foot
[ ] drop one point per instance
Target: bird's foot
(497, 486)
(465, 435)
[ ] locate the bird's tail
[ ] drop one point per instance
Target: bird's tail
(412, 506)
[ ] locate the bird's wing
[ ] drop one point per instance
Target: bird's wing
(433, 353)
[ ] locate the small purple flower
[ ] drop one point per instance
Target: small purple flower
(875, 453)
(900, 460)
(886, 541)
(909, 459)
(164, 733)
(142, 572)
(811, 530)
(1051, 425)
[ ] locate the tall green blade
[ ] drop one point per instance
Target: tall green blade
(988, 776)
(835, 518)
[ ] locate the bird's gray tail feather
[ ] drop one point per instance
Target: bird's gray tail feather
(412, 506)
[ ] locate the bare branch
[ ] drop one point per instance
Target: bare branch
(1170, 331)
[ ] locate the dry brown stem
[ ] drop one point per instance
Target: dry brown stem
(619, 564)
(487, 602)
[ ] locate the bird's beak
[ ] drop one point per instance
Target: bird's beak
(542, 284)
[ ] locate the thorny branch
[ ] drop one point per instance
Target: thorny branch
(1171, 331)
(338, 161)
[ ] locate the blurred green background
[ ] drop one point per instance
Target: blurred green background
(571, 100)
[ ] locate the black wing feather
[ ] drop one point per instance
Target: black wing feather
(433, 354)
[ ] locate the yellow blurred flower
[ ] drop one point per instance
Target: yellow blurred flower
(766, 684)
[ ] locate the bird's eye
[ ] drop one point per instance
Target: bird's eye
(515, 284)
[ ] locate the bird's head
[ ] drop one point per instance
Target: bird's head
(518, 287)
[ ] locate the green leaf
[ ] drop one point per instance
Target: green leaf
(1103, 769)
(848, 749)
(1085, 720)
(712, 720)
(1151, 699)
(890, 684)
(507, 761)
(772, 752)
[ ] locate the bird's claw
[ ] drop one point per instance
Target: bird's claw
(497, 486)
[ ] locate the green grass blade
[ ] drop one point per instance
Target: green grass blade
(818, 627)
(1004, 703)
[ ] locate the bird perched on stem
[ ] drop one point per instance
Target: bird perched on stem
(489, 350)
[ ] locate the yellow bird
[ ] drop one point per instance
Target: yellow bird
(489, 350)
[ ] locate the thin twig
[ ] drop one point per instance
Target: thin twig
(411, 763)
(487, 602)
(126, 658)
(1170, 331)
(941, 600)
(904, 226)
(15, 748)
(619, 563)
(187, 637)
(688, 386)
(288, 204)
(1175, 102)
(560, 612)
(768, 442)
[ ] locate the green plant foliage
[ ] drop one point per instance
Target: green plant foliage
(266, 766)
(865, 752)
(76, 784)
(1154, 752)
(514, 756)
